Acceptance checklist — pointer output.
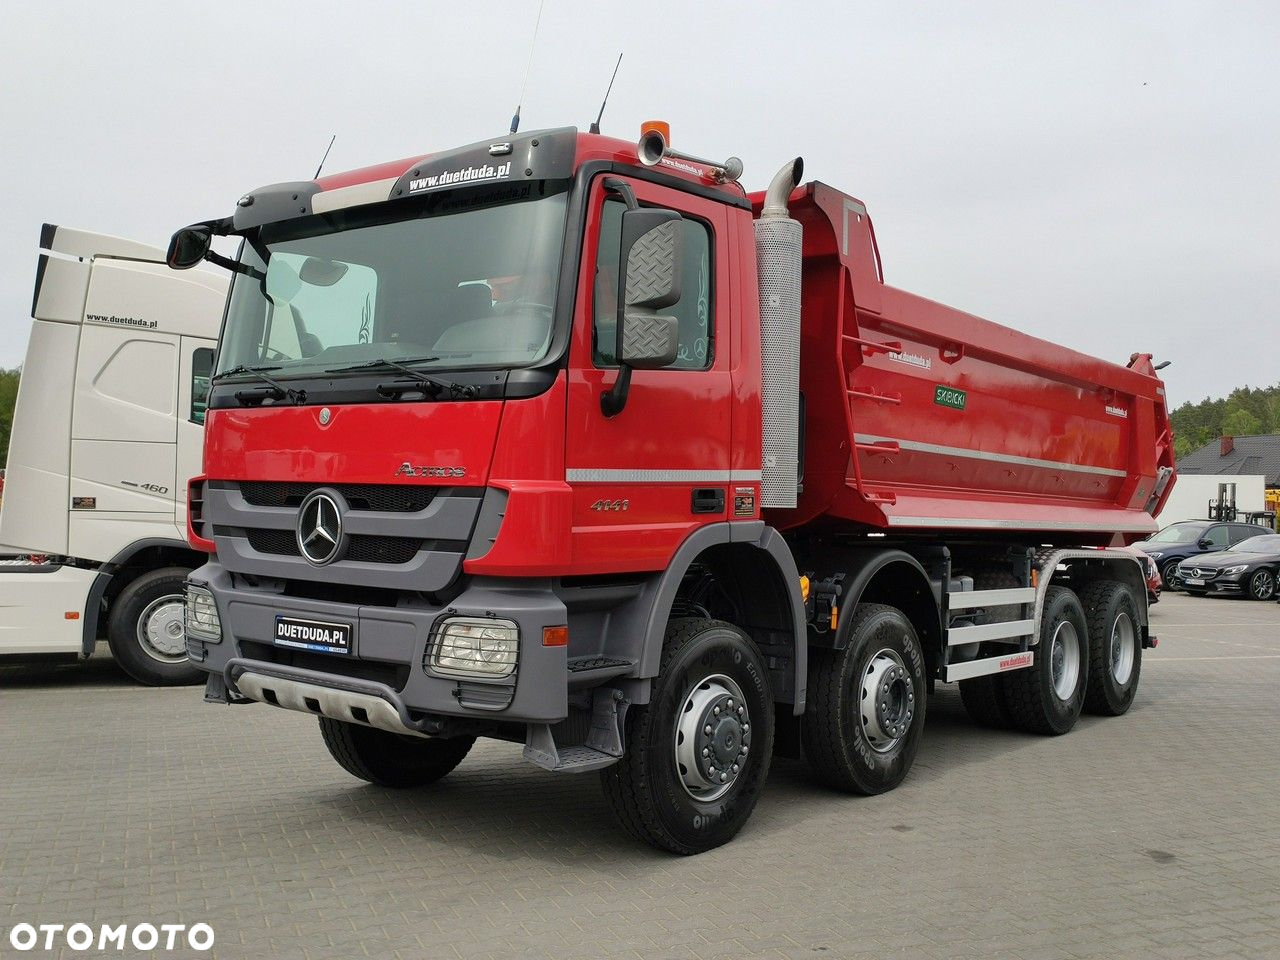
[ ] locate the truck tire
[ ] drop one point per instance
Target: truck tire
(697, 755)
(1115, 648)
(1047, 696)
(983, 697)
(866, 703)
(144, 629)
(388, 759)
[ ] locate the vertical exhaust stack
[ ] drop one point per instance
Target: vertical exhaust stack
(778, 242)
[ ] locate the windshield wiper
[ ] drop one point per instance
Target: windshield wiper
(431, 386)
(276, 389)
(398, 363)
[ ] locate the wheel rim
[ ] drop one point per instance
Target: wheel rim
(886, 702)
(1064, 659)
(1170, 575)
(712, 738)
(160, 631)
(1123, 646)
(1263, 584)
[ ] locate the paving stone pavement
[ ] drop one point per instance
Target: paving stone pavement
(1152, 835)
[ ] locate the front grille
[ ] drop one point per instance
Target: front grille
(1198, 573)
(363, 548)
(280, 542)
(388, 498)
(393, 675)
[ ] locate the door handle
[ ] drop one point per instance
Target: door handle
(708, 500)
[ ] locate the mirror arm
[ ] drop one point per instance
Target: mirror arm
(622, 189)
(614, 399)
(235, 266)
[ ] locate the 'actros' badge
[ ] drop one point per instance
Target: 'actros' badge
(412, 470)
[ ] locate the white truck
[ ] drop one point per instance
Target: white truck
(108, 428)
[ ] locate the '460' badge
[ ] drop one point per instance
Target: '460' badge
(611, 505)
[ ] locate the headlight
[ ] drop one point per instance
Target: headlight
(474, 647)
(1238, 569)
(201, 619)
(1155, 554)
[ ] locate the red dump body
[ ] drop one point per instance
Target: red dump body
(957, 423)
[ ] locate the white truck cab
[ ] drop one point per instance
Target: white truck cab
(107, 430)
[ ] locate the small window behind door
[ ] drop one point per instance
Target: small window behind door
(201, 370)
(696, 346)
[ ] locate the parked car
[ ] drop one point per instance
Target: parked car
(1250, 568)
(1152, 573)
(1194, 538)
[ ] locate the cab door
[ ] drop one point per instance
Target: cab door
(647, 477)
(193, 398)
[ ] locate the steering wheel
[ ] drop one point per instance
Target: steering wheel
(534, 306)
(544, 312)
(271, 353)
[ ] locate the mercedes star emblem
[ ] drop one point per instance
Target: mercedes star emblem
(320, 528)
(325, 416)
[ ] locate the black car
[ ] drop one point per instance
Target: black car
(1249, 568)
(1193, 538)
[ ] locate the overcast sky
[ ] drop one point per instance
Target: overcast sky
(1106, 175)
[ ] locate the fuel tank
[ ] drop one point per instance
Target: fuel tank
(918, 416)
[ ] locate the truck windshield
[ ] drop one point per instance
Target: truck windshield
(452, 281)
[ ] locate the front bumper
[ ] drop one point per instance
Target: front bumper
(1214, 582)
(389, 645)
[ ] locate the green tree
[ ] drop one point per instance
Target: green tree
(1240, 422)
(8, 399)
(1248, 411)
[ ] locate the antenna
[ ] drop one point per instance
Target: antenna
(595, 127)
(325, 157)
(515, 120)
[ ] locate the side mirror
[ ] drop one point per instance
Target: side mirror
(649, 280)
(648, 341)
(1205, 543)
(189, 246)
(651, 249)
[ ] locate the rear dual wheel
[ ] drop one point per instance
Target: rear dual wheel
(1115, 647)
(1047, 697)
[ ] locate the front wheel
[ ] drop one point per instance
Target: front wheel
(698, 754)
(389, 759)
(865, 709)
(1262, 585)
(1169, 575)
(145, 629)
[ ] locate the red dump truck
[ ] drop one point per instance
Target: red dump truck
(564, 441)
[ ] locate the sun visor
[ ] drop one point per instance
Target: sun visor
(539, 155)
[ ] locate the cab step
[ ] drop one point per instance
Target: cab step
(603, 745)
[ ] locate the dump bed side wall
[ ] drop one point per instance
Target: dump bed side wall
(954, 421)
